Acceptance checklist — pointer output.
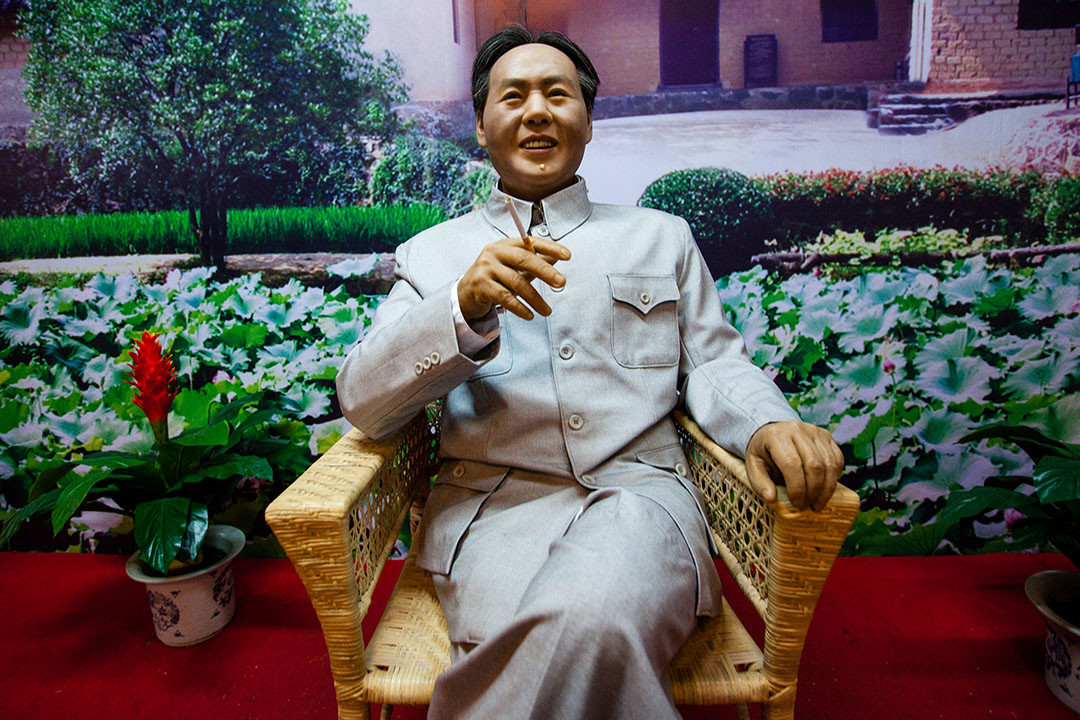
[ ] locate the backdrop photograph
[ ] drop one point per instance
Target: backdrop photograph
(200, 203)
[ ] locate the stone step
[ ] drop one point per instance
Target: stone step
(909, 114)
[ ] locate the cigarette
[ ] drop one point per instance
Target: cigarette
(520, 227)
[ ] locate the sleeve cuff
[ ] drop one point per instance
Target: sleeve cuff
(472, 336)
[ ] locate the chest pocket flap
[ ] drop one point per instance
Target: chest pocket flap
(644, 320)
(644, 292)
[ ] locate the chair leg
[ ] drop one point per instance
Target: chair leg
(386, 711)
(781, 707)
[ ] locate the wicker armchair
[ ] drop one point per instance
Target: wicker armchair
(339, 520)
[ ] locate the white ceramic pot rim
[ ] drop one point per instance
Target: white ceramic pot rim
(1038, 588)
(232, 542)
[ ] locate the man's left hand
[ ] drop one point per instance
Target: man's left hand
(802, 456)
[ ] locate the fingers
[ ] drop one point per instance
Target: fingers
(502, 275)
(803, 456)
(506, 286)
(757, 471)
(834, 468)
(790, 464)
(539, 264)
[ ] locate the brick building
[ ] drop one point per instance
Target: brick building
(992, 43)
(641, 45)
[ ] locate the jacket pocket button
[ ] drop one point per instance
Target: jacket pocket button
(575, 421)
(459, 470)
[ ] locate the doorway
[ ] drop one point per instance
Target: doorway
(689, 43)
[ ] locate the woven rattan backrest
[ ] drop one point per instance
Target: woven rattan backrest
(372, 527)
(741, 522)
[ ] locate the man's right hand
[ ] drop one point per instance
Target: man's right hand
(502, 273)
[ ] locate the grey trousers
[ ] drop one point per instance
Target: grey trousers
(582, 626)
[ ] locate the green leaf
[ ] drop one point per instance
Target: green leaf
(52, 476)
(1057, 479)
(194, 405)
(197, 524)
(16, 519)
(208, 436)
(1030, 440)
(72, 496)
(969, 503)
(239, 465)
(48, 479)
(160, 527)
(229, 411)
(920, 540)
(245, 335)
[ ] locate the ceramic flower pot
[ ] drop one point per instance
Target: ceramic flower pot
(1054, 592)
(192, 607)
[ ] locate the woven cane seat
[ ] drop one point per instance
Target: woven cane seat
(719, 664)
(338, 521)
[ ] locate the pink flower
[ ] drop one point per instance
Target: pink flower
(1012, 515)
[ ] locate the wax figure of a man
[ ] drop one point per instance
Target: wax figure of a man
(568, 549)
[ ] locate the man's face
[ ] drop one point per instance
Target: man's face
(535, 125)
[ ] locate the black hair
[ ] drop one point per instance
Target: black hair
(509, 38)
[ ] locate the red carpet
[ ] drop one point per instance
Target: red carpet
(949, 637)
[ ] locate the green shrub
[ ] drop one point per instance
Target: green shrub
(472, 190)
(994, 202)
(1063, 210)
(727, 212)
(261, 230)
(418, 170)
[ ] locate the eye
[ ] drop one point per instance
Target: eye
(511, 95)
(558, 92)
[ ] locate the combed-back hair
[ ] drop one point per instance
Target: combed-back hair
(509, 38)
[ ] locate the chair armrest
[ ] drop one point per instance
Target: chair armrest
(778, 555)
(338, 522)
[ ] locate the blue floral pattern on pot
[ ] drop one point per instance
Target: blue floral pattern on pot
(164, 610)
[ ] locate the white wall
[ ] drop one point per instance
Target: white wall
(420, 34)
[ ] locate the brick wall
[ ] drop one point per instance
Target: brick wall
(975, 40)
(622, 40)
(803, 59)
(13, 49)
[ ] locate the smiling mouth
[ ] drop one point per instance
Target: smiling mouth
(538, 144)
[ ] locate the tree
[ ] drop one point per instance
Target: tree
(205, 93)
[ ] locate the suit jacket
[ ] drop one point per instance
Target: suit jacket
(584, 393)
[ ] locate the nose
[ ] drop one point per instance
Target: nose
(535, 112)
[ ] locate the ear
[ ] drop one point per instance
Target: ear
(588, 129)
(481, 138)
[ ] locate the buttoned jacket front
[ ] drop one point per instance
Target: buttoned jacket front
(584, 393)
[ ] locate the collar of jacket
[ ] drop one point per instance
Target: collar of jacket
(563, 211)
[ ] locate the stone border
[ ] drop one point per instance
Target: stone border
(277, 268)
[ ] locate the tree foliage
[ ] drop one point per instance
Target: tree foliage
(202, 95)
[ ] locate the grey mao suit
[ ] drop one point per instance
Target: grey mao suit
(560, 414)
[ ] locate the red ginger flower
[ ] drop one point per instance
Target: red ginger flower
(154, 378)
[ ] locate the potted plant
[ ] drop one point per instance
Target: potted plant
(171, 492)
(1041, 508)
